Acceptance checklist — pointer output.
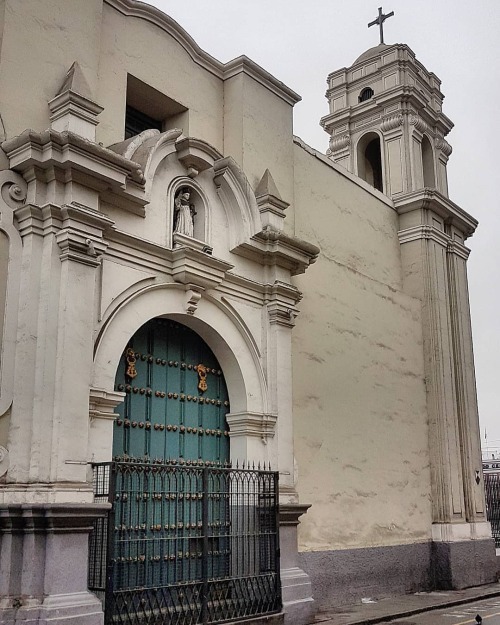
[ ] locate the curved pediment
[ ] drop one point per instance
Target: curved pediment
(141, 10)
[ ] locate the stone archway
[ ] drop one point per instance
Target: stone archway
(226, 336)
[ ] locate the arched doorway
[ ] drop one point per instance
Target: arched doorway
(189, 538)
(176, 399)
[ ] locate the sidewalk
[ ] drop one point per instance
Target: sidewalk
(391, 608)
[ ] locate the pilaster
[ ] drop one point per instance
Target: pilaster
(467, 411)
(432, 232)
(281, 299)
(49, 423)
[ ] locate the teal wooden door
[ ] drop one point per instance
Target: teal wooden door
(173, 416)
(176, 399)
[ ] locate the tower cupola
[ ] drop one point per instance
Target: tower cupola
(386, 122)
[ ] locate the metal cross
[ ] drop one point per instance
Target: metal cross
(380, 21)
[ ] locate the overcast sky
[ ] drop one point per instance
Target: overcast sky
(302, 42)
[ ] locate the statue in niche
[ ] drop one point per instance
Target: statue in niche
(184, 213)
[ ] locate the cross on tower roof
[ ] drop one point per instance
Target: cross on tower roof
(380, 21)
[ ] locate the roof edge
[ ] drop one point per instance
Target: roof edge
(153, 15)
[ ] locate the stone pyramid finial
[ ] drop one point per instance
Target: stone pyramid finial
(73, 108)
(271, 206)
(267, 186)
(75, 81)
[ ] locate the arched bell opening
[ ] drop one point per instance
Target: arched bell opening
(369, 158)
(176, 399)
(428, 164)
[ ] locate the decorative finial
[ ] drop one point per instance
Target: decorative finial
(380, 21)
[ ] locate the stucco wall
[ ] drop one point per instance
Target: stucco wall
(360, 420)
(258, 133)
(135, 46)
(40, 42)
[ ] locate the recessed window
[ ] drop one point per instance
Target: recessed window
(136, 122)
(149, 108)
(366, 94)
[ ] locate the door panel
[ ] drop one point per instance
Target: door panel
(166, 415)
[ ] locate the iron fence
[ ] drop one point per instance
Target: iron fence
(185, 544)
(492, 491)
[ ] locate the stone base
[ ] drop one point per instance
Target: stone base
(44, 562)
(76, 609)
(298, 604)
(463, 564)
(346, 576)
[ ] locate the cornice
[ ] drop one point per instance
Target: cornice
(274, 247)
(50, 147)
(255, 424)
(194, 267)
(458, 249)
(133, 8)
(430, 233)
(52, 155)
(423, 231)
(290, 512)
(430, 199)
(255, 71)
(408, 96)
(408, 57)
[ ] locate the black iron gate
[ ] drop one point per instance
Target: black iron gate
(210, 555)
(492, 491)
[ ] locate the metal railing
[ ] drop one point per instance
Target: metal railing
(492, 492)
(185, 544)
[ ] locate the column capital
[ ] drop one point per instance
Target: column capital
(290, 512)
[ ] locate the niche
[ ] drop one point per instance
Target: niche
(189, 217)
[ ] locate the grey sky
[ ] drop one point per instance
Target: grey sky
(301, 42)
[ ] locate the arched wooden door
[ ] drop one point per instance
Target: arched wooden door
(173, 418)
(176, 399)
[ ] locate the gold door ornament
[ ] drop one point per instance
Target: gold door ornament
(131, 370)
(202, 377)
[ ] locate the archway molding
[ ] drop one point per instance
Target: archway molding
(223, 331)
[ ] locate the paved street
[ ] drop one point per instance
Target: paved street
(450, 607)
(488, 609)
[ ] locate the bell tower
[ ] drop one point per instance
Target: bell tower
(387, 126)
(386, 122)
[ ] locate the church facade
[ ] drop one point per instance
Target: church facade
(186, 286)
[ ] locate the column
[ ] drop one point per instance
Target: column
(434, 270)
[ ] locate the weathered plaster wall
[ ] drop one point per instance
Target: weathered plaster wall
(135, 46)
(360, 421)
(258, 130)
(40, 42)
